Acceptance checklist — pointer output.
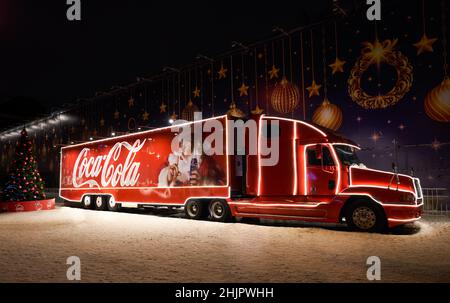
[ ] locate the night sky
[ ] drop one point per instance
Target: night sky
(49, 61)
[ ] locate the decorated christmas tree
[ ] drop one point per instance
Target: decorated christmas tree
(25, 182)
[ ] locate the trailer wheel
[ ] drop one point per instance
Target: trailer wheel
(87, 202)
(365, 216)
(112, 204)
(195, 209)
(219, 211)
(100, 203)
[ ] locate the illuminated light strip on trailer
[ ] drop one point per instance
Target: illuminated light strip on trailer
(294, 152)
(336, 159)
(259, 154)
(375, 200)
(154, 203)
(145, 132)
(298, 121)
(404, 220)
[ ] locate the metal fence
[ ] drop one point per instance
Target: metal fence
(436, 201)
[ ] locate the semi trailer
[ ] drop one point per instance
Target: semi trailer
(316, 175)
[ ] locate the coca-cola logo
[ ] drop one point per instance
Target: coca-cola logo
(110, 168)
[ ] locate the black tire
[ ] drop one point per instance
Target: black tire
(112, 204)
(366, 216)
(100, 202)
(87, 202)
(219, 211)
(195, 209)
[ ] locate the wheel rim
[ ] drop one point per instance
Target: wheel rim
(193, 209)
(364, 217)
(99, 201)
(217, 210)
(111, 202)
(87, 201)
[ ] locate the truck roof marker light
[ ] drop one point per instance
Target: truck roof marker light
(147, 131)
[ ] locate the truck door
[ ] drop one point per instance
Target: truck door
(322, 174)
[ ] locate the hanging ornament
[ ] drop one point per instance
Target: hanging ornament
(173, 116)
(102, 122)
(273, 73)
(196, 92)
(234, 111)
(314, 88)
(285, 97)
(162, 108)
(328, 115)
(377, 53)
(243, 90)
(131, 101)
(188, 112)
(145, 115)
(437, 102)
(257, 110)
(338, 65)
(425, 44)
(222, 72)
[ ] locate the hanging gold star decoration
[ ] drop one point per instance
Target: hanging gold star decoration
(116, 114)
(222, 72)
(243, 90)
(162, 108)
(173, 116)
(337, 66)
(131, 101)
(145, 115)
(425, 44)
(102, 122)
(314, 89)
(257, 110)
(234, 111)
(196, 92)
(274, 72)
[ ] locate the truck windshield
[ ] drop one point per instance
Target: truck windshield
(347, 154)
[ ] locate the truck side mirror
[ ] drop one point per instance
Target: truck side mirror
(319, 151)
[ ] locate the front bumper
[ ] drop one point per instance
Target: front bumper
(398, 214)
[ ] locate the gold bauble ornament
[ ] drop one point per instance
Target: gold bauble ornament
(285, 97)
(437, 102)
(328, 115)
(377, 53)
(234, 111)
(188, 112)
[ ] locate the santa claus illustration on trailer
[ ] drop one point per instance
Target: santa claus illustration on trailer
(187, 167)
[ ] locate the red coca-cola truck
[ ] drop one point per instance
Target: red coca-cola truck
(317, 175)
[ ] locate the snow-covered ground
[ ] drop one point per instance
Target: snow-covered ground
(149, 247)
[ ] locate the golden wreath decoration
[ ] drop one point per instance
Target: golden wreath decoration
(377, 53)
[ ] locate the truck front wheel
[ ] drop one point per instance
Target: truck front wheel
(219, 211)
(194, 209)
(364, 216)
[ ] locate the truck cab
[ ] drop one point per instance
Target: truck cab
(319, 177)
